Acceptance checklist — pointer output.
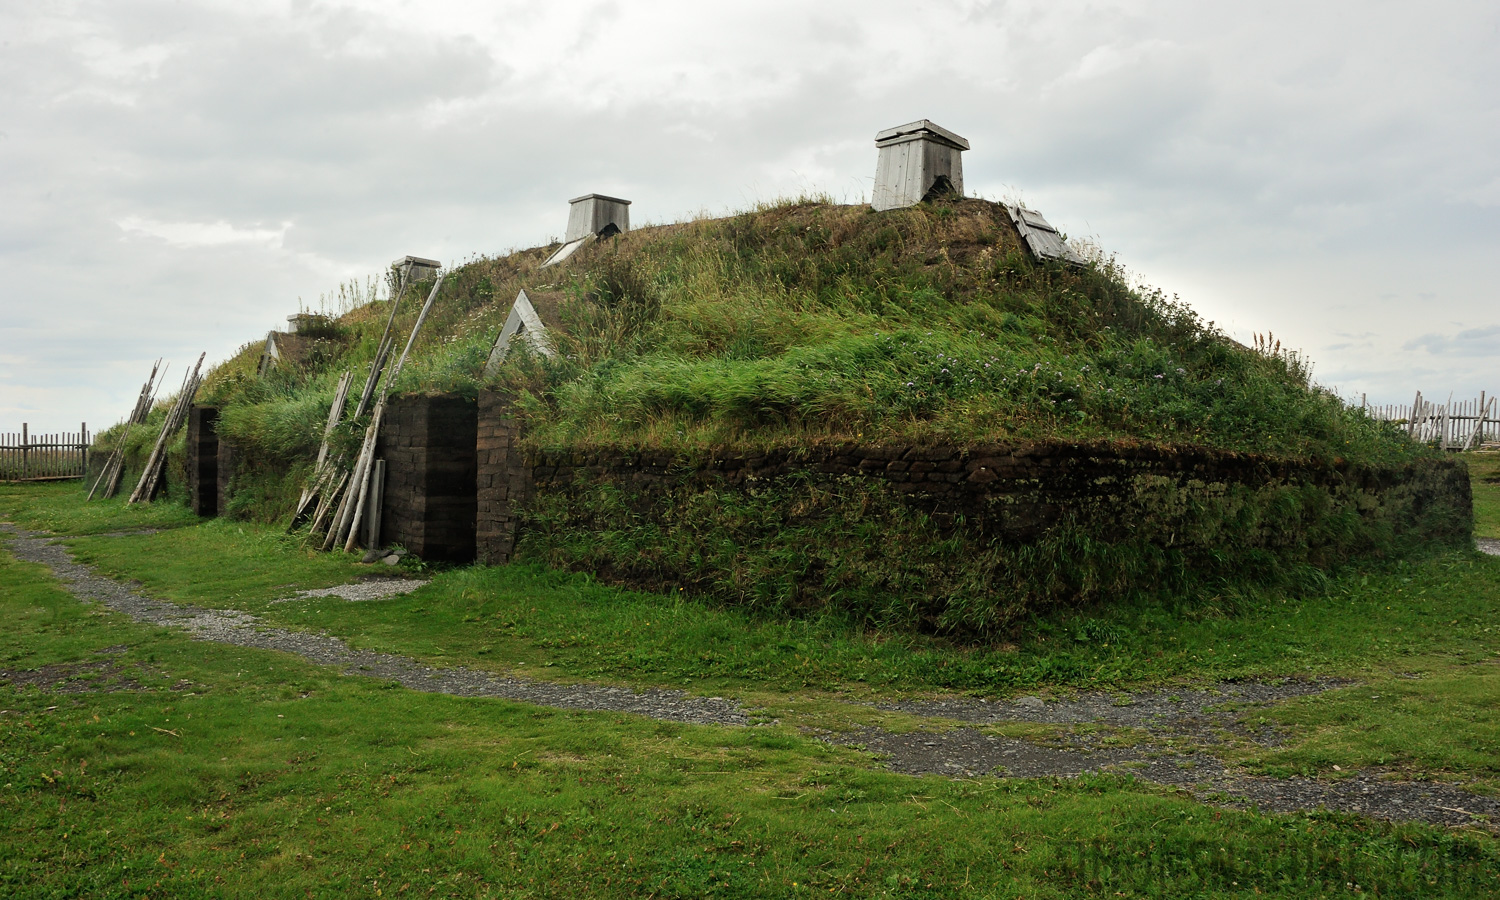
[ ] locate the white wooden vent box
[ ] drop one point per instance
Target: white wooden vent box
(589, 217)
(917, 159)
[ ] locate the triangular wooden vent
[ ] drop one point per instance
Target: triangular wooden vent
(522, 321)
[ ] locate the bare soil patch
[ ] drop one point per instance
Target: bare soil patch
(102, 676)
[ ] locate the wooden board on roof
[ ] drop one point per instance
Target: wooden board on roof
(1044, 241)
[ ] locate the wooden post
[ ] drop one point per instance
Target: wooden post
(318, 481)
(360, 478)
(1478, 420)
(336, 474)
(1446, 421)
(372, 514)
(345, 525)
(25, 451)
(156, 463)
(110, 474)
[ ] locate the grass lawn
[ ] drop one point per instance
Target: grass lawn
(1484, 472)
(233, 772)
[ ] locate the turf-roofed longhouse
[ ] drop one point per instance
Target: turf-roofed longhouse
(938, 415)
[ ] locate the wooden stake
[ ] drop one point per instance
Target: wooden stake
(326, 500)
(351, 512)
(319, 475)
(156, 463)
(344, 520)
(113, 468)
(336, 473)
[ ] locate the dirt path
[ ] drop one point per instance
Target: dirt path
(1172, 733)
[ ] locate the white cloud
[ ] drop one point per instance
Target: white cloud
(204, 234)
(1483, 343)
(1313, 180)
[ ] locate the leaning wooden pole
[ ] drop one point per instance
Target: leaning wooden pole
(114, 467)
(143, 398)
(1478, 430)
(157, 449)
(347, 523)
(326, 500)
(317, 482)
(383, 349)
(349, 533)
(151, 477)
(336, 472)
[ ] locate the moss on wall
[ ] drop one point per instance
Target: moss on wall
(825, 532)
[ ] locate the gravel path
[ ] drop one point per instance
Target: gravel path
(1195, 712)
(244, 630)
(1178, 727)
(1488, 545)
(1175, 731)
(361, 591)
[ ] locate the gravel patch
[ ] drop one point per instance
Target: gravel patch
(968, 752)
(244, 630)
(360, 592)
(1488, 545)
(1188, 712)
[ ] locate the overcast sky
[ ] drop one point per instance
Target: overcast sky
(174, 176)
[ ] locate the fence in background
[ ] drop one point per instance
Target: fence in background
(44, 457)
(1460, 425)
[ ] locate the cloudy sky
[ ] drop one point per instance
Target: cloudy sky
(174, 176)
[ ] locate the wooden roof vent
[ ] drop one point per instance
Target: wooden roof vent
(917, 160)
(590, 217)
(418, 268)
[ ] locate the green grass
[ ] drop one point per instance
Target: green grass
(264, 776)
(62, 507)
(807, 321)
(1438, 723)
(1484, 471)
(1439, 609)
(1437, 618)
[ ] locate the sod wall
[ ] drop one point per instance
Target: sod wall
(956, 539)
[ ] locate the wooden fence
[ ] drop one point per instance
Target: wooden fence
(44, 457)
(1455, 425)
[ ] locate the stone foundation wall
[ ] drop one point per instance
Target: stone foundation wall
(429, 447)
(202, 460)
(503, 479)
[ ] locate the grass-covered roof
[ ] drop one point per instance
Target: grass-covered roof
(814, 322)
